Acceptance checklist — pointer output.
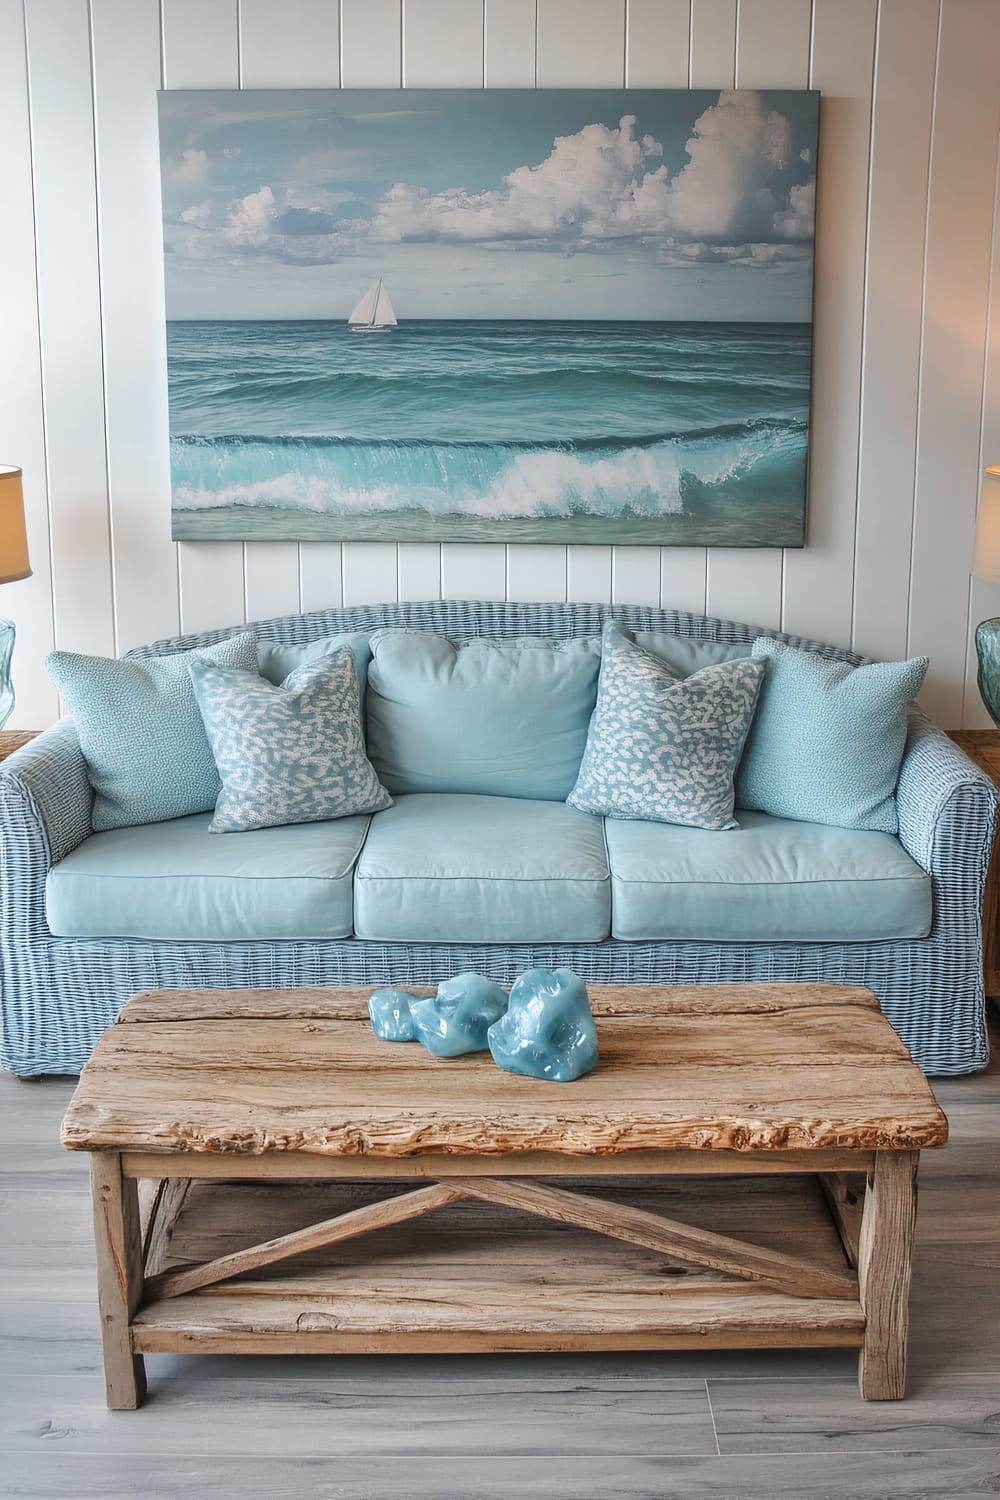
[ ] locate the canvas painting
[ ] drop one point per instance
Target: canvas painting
(541, 315)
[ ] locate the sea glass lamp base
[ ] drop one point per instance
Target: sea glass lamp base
(988, 651)
(6, 686)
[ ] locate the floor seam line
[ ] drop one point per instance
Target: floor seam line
(711, 1413)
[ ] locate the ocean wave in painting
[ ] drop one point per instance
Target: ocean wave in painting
(492, 420)
(649, 475)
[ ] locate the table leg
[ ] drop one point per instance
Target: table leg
(884, 1261)
(119, 1277)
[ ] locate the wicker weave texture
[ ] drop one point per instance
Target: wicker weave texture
(59, 994)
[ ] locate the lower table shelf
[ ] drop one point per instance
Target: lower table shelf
(473, 1276)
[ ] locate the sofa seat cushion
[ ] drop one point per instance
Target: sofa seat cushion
(178, 882)
(769, 880)
(454, 868)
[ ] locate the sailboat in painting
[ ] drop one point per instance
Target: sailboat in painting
(374, 313)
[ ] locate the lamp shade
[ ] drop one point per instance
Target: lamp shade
(986, 552)
(13, 537)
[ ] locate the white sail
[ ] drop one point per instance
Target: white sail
(385, 314)
(374, 310)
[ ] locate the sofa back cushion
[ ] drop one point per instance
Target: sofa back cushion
(686, 654)
(276, 661)
(506, 719)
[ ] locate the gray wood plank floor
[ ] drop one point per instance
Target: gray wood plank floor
(769, 1426)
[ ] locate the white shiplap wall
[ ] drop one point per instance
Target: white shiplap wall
(907, 361)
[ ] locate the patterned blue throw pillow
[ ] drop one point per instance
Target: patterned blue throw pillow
(828, 739)
(664, 748)
(288, 754)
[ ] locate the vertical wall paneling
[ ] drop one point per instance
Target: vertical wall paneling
(200, 45)
(772, 51)
(955, 315)
(419, 570)
(296, 44)
(635, 575)
(270, 579)
(69, 316)
(473, 571)
(897, 218)
(22, 439)
(369, 572)
(371, 57)
(293, 45)
(588, 574)
(320, 575)
(658, 44)
(819, 581)
(370, 44)
(713, 44)
(126, 53)
(581, 44)
(509, 44)
(443, 42)
(658, 55)
(536, 574)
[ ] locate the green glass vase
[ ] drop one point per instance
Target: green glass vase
(6, 686)
(988, 651)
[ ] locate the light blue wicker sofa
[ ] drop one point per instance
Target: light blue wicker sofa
(922, 958)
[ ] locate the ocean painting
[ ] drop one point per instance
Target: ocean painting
(549, 315)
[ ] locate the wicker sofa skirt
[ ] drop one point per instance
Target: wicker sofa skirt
(59, 994)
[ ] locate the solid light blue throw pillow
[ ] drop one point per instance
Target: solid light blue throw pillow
(503, 719)
(828, 739)
(288, 754)
(140, 730)
(661, 747)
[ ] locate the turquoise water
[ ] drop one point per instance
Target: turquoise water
(699, 425)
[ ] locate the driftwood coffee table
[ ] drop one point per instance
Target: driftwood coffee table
(739, 1172)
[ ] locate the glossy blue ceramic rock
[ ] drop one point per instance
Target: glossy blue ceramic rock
(389, 1013)
(457, 1018)
(548, 1031)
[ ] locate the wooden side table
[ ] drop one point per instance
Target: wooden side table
(13, 739)
(983, 746)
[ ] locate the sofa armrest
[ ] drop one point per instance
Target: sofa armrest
(947, 808)
(45, 805)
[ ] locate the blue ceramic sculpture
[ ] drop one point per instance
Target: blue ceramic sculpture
(548, 1031)
(457, 1018)
(389, 1013)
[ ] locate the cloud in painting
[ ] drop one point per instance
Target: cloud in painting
(186, 168)
(606, 184)
(732, 201)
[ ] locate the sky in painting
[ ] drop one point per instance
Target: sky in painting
(614, 204)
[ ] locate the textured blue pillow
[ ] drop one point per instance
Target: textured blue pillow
(507, 719)
(140, 730)
(828, 739)
(288, 754)
(661, 747)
